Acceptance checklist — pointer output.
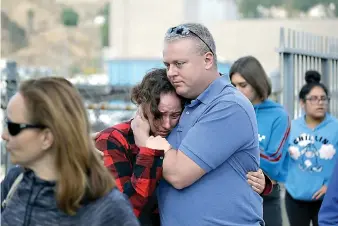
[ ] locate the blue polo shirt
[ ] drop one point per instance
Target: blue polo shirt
(218, 131)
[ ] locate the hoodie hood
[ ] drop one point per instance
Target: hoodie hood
(328, 119)
(267, 104)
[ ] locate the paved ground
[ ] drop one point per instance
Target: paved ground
(285, 218)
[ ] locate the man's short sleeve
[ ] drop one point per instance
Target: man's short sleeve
(219, 133)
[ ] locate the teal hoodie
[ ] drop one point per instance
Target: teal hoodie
(273, 128)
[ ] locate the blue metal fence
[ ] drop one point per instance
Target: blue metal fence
(300, 52)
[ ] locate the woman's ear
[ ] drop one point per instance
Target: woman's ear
(47, 139)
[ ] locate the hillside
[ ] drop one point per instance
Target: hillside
(13, 36)
(46, 42)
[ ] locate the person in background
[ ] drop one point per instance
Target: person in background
(249, 77)
(59, 179)
(139, 169)
(328, 213)
(312, 155)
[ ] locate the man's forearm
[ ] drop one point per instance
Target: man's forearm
(170, 167)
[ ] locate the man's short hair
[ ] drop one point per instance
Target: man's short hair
(198, 32)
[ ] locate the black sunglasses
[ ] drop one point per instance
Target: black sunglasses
(182, 30)
(15, 128)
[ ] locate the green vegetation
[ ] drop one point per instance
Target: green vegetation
(69, 17)
(105, 26)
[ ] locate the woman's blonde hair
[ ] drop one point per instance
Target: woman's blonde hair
(55, 103)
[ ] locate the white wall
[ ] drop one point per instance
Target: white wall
(138, 27)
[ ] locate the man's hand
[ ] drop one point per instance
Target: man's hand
(100, 154)
(320, 192)
(158, 143)
(141, 128)
(257, 181)
(97, 152)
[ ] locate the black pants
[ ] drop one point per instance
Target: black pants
(301, 213)
(272, 212)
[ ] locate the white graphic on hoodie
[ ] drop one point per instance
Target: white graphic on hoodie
(309, 155)
(261, 137)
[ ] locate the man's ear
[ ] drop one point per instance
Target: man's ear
(209, 60)
(47, 139)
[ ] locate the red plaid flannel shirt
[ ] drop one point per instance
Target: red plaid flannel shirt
(136, 170)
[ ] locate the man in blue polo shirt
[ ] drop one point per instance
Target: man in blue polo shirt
(214, 145)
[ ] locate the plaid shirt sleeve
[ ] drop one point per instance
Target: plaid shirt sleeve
(137, 180)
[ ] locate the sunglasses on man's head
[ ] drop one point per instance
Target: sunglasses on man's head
(182, 30)
(16, 128)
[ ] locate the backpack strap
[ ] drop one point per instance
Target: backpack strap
(12, 190)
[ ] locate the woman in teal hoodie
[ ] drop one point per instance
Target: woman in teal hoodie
(248, 75)
(312, 153)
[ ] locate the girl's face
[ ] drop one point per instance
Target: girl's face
(242, 85)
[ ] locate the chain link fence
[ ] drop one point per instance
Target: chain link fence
(106, 105)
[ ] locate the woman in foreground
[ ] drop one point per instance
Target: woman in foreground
(60, 179)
